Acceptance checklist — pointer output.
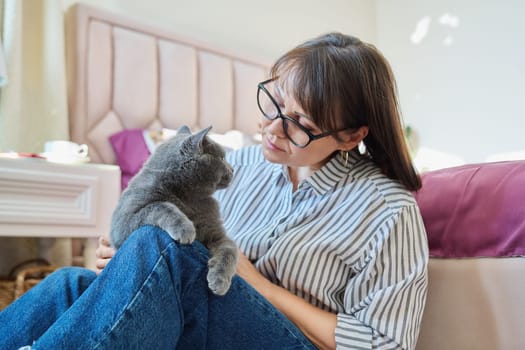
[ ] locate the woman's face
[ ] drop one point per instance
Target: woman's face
(276, 146)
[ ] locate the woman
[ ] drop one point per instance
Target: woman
(333, 246)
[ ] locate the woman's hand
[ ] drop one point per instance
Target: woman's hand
(104, 253)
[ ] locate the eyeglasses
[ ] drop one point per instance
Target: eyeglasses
(299, 135)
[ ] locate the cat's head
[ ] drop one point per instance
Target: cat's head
(192, 159)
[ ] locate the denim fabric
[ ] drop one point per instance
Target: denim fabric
(152, 295)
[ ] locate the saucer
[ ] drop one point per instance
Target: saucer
(64, 158)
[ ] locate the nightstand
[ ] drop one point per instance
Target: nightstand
(44, 199)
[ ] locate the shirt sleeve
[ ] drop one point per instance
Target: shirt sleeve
(384, 300)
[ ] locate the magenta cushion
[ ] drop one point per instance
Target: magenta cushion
(131, 152)
(475, 210)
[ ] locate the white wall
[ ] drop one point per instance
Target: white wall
(464, 95)
(261, 29)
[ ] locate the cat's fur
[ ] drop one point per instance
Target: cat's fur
(174, 192)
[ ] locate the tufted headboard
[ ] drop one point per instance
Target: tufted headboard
(123, 74)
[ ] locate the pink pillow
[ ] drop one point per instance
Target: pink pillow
(475, 210)
(131, 152)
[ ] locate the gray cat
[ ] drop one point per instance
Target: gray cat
(174, 192)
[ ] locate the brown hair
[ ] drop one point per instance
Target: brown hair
(342, 82)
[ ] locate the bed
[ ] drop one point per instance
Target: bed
(125, 75)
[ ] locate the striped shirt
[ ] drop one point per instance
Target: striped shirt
(348, 240)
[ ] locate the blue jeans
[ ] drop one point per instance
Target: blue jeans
(152, 295)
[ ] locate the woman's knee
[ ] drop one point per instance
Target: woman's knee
(70, 281)
(154, 241)
(147, 235)
(73, 275)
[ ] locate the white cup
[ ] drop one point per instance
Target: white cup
(59, 149)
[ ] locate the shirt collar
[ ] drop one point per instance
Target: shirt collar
(332, 172)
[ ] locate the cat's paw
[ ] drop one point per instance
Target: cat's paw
(218, 284)
(219, 280)
(183, 233)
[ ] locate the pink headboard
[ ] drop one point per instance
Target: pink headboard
(124, 74)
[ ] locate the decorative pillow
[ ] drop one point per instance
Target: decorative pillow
(475, 210)
(131, 152)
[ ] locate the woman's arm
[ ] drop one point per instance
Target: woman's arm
(318, 325)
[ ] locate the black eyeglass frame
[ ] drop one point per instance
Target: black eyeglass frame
(284, 117)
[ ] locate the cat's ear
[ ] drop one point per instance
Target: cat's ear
(198, 138)
(184, 130)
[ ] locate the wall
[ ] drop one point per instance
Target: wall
(261, 29)
(462, 85)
